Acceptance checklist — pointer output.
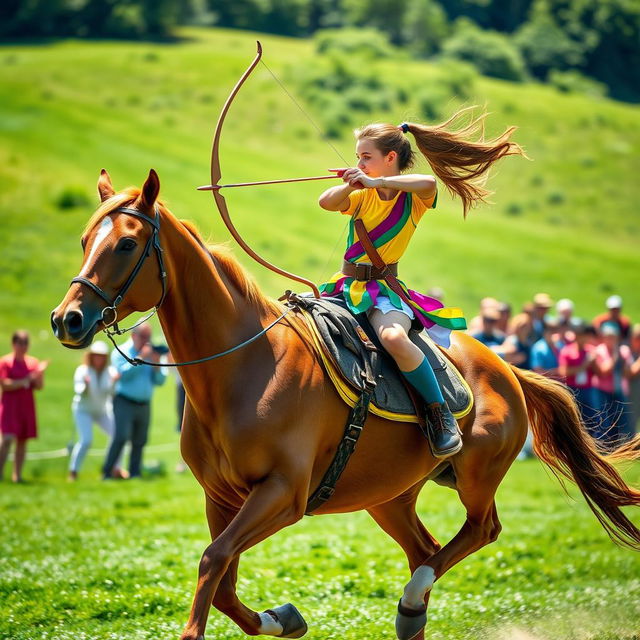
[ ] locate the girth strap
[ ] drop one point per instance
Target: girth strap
(355, 424)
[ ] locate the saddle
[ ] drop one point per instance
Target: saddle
(346, 343)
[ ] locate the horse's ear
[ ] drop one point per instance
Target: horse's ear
(150, 191)
(105, 188)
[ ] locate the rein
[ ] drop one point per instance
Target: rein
(112, 305)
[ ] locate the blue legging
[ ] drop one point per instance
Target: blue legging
(424, 380)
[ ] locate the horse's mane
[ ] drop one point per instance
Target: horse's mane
(223, 256)
(220, 253)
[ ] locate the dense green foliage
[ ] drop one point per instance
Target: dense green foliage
(491, 52)
(599, 39)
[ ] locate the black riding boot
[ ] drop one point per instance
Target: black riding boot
(442, 430)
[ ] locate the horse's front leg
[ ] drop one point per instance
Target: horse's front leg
(273, 504)
(225, 598)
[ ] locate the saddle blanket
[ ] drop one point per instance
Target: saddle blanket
(339, 338)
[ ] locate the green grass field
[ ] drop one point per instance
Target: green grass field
(92, 561)
(95, 561)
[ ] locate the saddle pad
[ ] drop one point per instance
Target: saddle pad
(337, 334)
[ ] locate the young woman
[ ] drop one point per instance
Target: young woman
(93, 383)
(20, 376)
(391, 203)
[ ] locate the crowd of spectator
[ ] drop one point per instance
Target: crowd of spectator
(598, 360)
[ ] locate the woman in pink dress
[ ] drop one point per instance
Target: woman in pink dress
(20, 375)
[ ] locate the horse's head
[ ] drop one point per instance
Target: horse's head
(122, 268)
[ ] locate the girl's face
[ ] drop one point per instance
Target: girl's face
(372, 162)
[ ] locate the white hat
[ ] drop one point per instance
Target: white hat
(564, 304)
(100, 348)
(614, 302)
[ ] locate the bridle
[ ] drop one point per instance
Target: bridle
(112, 304)
(153, 242)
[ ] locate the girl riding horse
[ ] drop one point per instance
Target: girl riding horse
(390, 204)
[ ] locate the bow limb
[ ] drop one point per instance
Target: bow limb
(215, 180)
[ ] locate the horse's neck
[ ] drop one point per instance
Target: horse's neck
(202, 313)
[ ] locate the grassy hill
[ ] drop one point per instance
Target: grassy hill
(565, 222)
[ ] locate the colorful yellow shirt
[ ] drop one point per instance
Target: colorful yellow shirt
(390, 225)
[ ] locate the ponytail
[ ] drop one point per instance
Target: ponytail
(459, 162)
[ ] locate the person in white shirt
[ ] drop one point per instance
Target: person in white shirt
(93, 384)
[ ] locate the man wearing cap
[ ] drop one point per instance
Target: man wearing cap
(489, 333)
(614, 315)
(132, 400)
(564, 313)
(542, 302)
(544, 353)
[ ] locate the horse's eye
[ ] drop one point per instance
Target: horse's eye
(126, 245)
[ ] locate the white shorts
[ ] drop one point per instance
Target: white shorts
(384, 306)
(439, 335)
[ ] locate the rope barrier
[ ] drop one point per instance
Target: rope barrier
(63, 453)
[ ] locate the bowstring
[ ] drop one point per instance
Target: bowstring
(326, 139)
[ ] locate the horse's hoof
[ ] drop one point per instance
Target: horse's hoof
(293, 624)
(409, 622)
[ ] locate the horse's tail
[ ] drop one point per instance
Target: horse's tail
(561, 440)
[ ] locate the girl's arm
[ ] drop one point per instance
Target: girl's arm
(423, 186)
(336, 198)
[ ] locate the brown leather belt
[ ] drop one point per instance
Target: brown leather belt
(363, 272)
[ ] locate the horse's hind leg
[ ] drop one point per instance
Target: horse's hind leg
(478, 477)
(399, 519)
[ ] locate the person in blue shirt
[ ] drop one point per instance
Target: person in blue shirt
(544, 353)
(489, 333)
(132, 399)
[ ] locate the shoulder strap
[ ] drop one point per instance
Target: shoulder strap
(378, 262)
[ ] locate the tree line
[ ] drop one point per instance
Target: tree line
(513, 39)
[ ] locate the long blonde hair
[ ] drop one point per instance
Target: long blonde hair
(459, 156)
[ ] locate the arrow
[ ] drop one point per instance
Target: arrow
(215, 187)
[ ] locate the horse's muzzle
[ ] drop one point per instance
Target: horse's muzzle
(72, 327)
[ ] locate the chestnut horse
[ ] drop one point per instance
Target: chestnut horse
(262, 424)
